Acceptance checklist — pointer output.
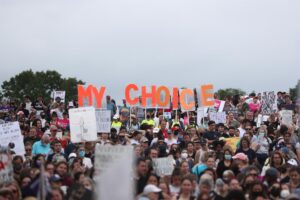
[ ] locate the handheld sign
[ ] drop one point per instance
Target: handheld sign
(83, 124)
(10, 133)
(103, 118)
(163, 166)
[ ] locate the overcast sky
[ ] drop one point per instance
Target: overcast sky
(247, 44)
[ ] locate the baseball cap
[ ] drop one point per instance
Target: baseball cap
(55, 178)
(151, 188)
(240, 156)
(72, 155)
(292, 162)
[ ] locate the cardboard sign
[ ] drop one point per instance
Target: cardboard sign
(218, 117)
(6, 169)
(60, 94)
(286, 117)
(83, 124)
(103, 119)
(268, 103)
(114, 166)
(11, 133)
(163, 166)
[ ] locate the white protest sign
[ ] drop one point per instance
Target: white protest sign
(167, 115)
(83, 124)
(103, 119)
(218, 117)
(114, 164)
(60, 94)
(11, 133)
(6, 169)
(286, 117)
(163, 166)
(200, 115)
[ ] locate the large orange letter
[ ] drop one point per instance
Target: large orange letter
(184, 104)
(98, 95)
(207, 93)
(82, 93)
(127, 94)
(146, 95)
(175, 98)
(167, 96)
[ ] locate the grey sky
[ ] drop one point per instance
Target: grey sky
(247, 44)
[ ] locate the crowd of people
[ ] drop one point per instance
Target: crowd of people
(262, 164)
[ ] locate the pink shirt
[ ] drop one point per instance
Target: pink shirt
(254, 106)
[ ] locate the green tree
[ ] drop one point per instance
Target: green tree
(295, 92)
(41, 83)
(223, 93)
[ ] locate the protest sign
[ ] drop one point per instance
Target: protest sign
(6, 169)
(60, 94)
(218, 117)
(11, 133)
(268, 103)
(103, 119)
(187, 100)
(200, 115)
(286, 117)
(163, 166)
(83, 124)
(140, 114)
(219, 105)
(113, 167)
(167, 115)
(232, 142)
(90, 96)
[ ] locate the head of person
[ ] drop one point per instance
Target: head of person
(257, 189)
(61, 168)
(249, 115)
(151, 191)
(241, 160)
(88, 183)
(245, 143)
(184, 168)
(276, 159)
(56, 146)
(49, 168)
(206, 183)
(153, 179)
(141, 167)
(186, 186)
(294, 174)
(211, 125)
(221, 128)
(227, 176)
(153, 153)
(209, 159)
(227, 153)
(45, 139)
(234, 184)
(176, 177)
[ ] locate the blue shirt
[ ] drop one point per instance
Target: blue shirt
(40, 148)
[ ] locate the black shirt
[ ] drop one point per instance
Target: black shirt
(211, 135)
